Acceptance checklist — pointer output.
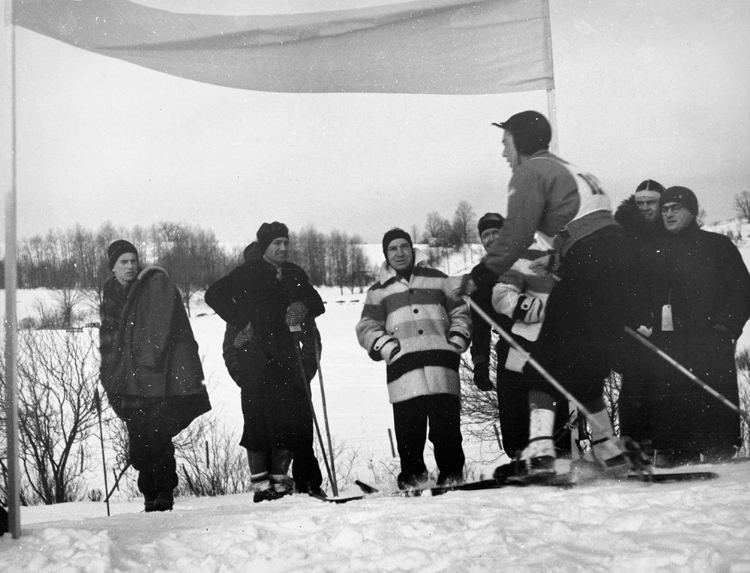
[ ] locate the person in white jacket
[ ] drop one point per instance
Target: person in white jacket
(413, 322)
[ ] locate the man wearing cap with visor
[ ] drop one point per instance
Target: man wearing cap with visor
(698, 301)
(584, 314)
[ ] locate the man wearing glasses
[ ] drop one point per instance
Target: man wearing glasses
(698, 297)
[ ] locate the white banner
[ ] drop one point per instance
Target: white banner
(428, 46)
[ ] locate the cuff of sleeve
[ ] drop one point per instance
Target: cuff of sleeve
(459, 340)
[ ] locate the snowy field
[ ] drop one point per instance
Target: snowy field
(701, 526)
(620, 527)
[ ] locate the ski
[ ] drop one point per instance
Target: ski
(562, 481)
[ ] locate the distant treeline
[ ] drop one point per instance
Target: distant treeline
(193, 257)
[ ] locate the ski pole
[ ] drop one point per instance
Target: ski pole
(295, 330)
(692, 377)
(539, 368)
(98, 402)
(334, 485)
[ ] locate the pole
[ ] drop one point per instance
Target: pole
(306, 386)
(692, 377)
(539, 368)
(8, 162)
(334, 484)
(98, 401)
(551, 104)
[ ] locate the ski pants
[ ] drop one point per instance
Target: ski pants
(585, 316)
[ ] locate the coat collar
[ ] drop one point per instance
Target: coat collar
(387, 272)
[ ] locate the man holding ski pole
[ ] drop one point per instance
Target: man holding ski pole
(262, 299)
(584, 316)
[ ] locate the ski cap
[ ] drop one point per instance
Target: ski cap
(530, 130)
(681, 195)
(649, 188)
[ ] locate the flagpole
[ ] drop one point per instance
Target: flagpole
(8, 113)
(551, 104)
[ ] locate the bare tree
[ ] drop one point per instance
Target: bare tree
(742, 205)
(57, 376)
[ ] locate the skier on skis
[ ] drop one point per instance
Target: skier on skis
(412, 321)
(265, 299)
(584, 315)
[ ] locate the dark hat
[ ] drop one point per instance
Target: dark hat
(490, 221)
(681, 195)
(650, 185)
(119, 248)
(270, 231)
(530, 130)
(392, 235)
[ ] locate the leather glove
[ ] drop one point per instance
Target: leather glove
(296, 313)
(244, 336)
(529, 309)
(482, 374)
(467, 286)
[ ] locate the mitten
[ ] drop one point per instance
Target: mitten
(529, 309)
(296, 313)
(244, 336)
(482, 373)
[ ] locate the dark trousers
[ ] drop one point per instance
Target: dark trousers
(583, 326)
(442, 412)
(150, 432)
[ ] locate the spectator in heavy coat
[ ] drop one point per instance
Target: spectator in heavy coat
(412, 321)
(699, 293)
(150, 368)
(266, 299)
(516, 303)
(305, 468)
(642, 224)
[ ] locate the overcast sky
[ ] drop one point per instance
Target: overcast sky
(644, 90)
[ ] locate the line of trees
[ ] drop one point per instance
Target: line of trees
(76, 258)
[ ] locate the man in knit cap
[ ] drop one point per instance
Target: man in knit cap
(413, 322)
(268, 300)
(696, 290)
(150, 368)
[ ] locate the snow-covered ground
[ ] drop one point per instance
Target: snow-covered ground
(701, 526)
(622, 527)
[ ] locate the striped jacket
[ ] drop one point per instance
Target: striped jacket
(431, 325)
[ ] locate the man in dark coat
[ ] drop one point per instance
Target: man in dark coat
(512, 383)
(150, 368)
(305, 468)
(266, 299)
(699, 294)
(642, 224)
